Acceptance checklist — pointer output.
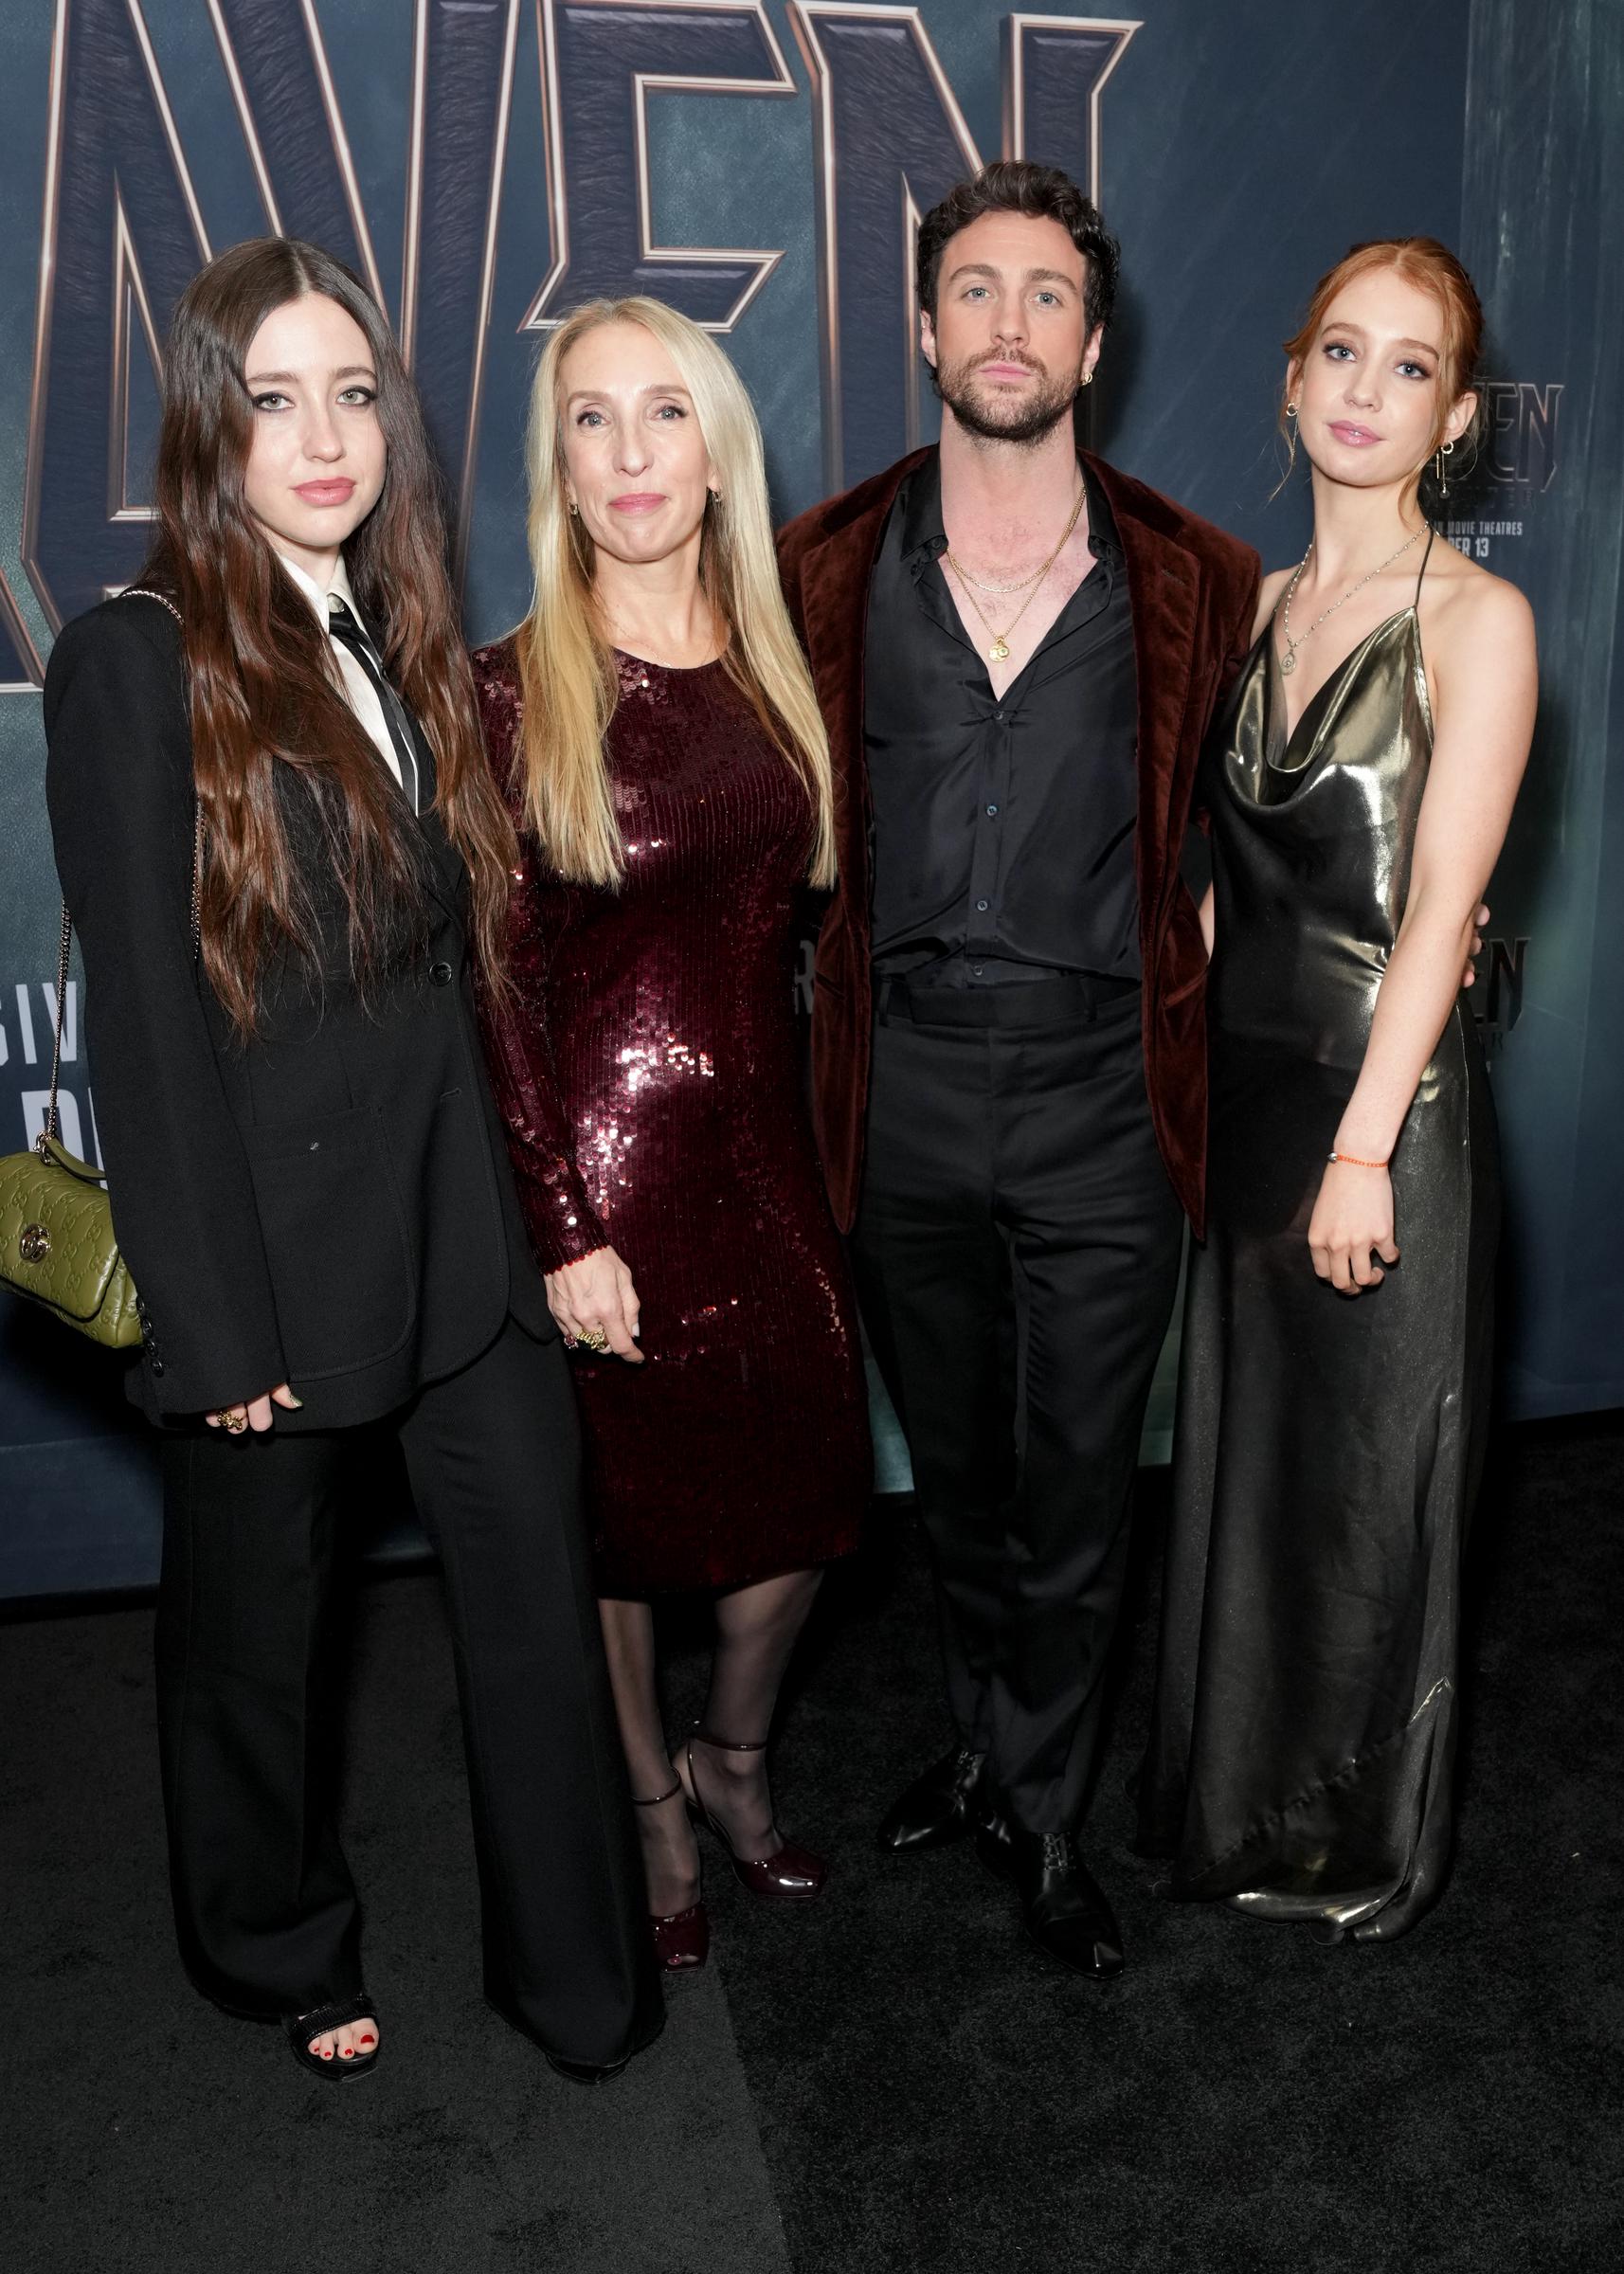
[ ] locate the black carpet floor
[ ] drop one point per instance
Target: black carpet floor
(895, 2080)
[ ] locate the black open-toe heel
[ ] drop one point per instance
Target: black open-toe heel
(302, 2028)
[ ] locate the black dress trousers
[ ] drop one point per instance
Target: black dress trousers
(1016, 1248)
(250, 1668)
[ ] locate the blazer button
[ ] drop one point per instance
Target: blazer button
(440, 974)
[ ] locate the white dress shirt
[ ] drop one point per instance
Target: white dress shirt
(362, 696)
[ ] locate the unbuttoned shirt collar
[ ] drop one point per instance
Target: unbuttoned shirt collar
(925, 539)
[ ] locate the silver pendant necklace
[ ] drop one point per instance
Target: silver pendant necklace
(1288, 660)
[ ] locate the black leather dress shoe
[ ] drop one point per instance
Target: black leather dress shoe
(586, 2073)
(943, 1805)
(1063, 1908)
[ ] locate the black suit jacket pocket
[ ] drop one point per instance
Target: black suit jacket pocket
(337, 1240)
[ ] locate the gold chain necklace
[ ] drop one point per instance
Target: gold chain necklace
(1003, 592)
(999, 651)
(1288, 660)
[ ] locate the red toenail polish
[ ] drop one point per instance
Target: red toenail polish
(369, 2040)
(349, 2052)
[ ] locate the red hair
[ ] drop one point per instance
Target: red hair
(1425, 263)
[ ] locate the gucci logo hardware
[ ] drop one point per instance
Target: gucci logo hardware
(33, 1243)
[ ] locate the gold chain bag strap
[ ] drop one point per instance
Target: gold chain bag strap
(57, 1242)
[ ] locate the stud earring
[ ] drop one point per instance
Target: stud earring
(1088, 378)
(1290, 410)
(574, 507)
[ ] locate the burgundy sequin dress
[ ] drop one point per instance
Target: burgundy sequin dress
(650, 1079)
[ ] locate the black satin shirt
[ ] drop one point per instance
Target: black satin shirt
(1003, 827)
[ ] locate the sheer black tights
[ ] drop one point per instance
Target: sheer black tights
(757, 1629)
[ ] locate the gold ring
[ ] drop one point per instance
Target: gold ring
(596, 1339)
(235, 1422)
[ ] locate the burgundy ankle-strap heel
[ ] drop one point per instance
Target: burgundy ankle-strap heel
(681, 1938)
(790, 1873)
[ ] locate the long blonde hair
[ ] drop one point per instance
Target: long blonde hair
(566, 668)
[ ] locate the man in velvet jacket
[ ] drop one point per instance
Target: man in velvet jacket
(1018, 651)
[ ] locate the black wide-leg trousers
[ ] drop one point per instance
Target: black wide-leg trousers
(250, 1668)
(1017, 1253)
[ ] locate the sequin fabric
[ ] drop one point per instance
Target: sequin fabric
(649, 1073)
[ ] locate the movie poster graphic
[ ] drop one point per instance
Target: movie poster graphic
(762, 165)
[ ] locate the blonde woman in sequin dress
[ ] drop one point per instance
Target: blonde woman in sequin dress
(654, 728)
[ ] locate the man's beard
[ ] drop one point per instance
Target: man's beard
(1027, 421)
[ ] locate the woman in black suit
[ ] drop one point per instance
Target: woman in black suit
(283, 853)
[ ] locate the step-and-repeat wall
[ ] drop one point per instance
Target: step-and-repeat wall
(762, 166)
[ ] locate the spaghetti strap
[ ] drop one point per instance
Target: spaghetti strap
(1426, 556)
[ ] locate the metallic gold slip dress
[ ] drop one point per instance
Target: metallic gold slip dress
(1326, 1452)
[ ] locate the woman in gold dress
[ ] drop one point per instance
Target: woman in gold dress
(1332, 1396)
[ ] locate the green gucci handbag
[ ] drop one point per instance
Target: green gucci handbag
(58, 1246)
(57, 1242)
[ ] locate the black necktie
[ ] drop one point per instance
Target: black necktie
(344, 628)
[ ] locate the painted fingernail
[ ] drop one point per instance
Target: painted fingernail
(293, 1400)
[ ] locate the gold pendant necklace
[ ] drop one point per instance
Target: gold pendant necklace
(999, 651)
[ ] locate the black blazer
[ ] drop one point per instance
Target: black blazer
(329, 1204)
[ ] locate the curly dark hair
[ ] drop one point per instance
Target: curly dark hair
(1015, 186)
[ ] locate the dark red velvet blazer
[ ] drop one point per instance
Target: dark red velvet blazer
(1194, 591)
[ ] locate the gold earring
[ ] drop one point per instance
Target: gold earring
(574, 507)
(1088, 378)
(1445, 450)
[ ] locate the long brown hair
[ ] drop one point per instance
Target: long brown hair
(261, 689)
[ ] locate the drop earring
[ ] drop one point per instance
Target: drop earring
(1445, 450)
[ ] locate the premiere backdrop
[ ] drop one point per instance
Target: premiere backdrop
(762, 165)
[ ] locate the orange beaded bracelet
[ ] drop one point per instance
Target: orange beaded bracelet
(1353, 1160)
